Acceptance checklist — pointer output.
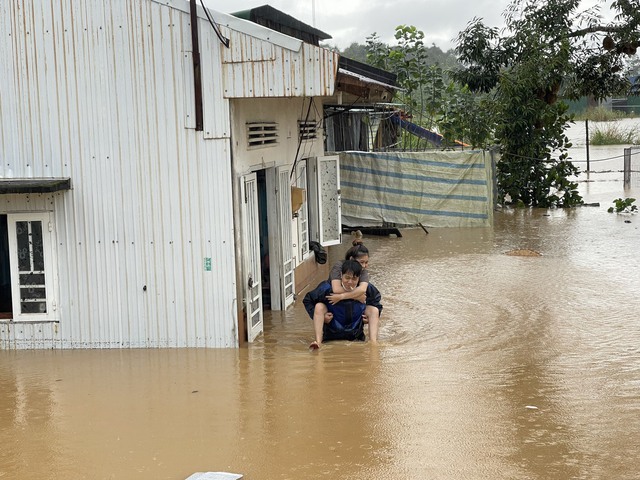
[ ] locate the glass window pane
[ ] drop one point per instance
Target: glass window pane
(32, 279)
(22, 238)
(37, 246)
(32, 293)
(33, 307)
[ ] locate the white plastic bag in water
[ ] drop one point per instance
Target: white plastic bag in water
(214, 476)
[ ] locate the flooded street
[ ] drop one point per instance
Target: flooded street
(490, 366)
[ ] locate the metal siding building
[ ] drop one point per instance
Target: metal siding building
(98, 91)
(142, 249)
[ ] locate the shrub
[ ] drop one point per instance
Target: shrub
(600, 114)
(614, 134)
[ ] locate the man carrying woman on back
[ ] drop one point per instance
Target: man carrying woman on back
(349, 293)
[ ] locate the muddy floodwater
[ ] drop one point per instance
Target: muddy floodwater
(490, 366)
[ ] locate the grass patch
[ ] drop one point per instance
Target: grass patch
(602, 114)
(614, 134)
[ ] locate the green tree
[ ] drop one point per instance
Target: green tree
(408, 61)
(547, 48)
(466, 117)
(431, 99)
(355, 51)
(377, 52)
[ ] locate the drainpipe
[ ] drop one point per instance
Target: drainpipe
(197, 79)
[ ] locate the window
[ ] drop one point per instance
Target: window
(31, 261)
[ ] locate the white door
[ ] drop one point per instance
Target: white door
(251, 256)
(329, 206)
(32, 264)
(283, 203)
(303, 215)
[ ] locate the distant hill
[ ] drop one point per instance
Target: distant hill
(435, 55)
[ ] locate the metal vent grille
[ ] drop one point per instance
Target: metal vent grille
(308, 130)
(260, 134)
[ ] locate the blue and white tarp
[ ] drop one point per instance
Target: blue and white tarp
(437, 189)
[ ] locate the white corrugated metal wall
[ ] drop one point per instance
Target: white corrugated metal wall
(256, 68)
(95, 91)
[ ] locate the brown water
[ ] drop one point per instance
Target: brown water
(490, 366)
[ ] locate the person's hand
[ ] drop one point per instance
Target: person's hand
(362, 298)
(335, 298)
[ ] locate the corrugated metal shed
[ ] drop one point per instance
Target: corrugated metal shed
(95, 91)
(102, 92)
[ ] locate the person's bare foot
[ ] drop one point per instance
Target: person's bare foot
(328, 317)
(314, 346)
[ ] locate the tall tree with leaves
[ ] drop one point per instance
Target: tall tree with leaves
(408, 60)
(546, 48)
(432, 100)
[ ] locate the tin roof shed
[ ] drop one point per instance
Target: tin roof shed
(274, 19)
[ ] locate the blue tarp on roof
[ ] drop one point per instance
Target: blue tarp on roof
(417, 130)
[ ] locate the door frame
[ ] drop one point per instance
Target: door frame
(303, 214)
(49, 260)
(251, 279)
(280, 237)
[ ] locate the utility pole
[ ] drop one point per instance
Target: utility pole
(313, 13)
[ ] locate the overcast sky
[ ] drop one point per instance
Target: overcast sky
(349, 21)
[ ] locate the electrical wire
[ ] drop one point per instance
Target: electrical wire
(572, 161)
(295, 161)
(216, 28)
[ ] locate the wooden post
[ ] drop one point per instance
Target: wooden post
(586, 124)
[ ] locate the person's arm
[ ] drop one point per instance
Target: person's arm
(339, 293)
(317, 295)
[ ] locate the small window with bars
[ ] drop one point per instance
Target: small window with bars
(308, 130)
(262, 134)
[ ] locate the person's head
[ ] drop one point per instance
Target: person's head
(359, 253)
(357, 237)
(351, 271)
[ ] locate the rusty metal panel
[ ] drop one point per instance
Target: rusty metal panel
(297, 65)
(19, 336)
(254, 68)
(94, 91)
(248, 66)
(216, 110)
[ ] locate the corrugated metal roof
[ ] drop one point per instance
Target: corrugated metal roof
(366, 80)
(277, 20)
(367, 71)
